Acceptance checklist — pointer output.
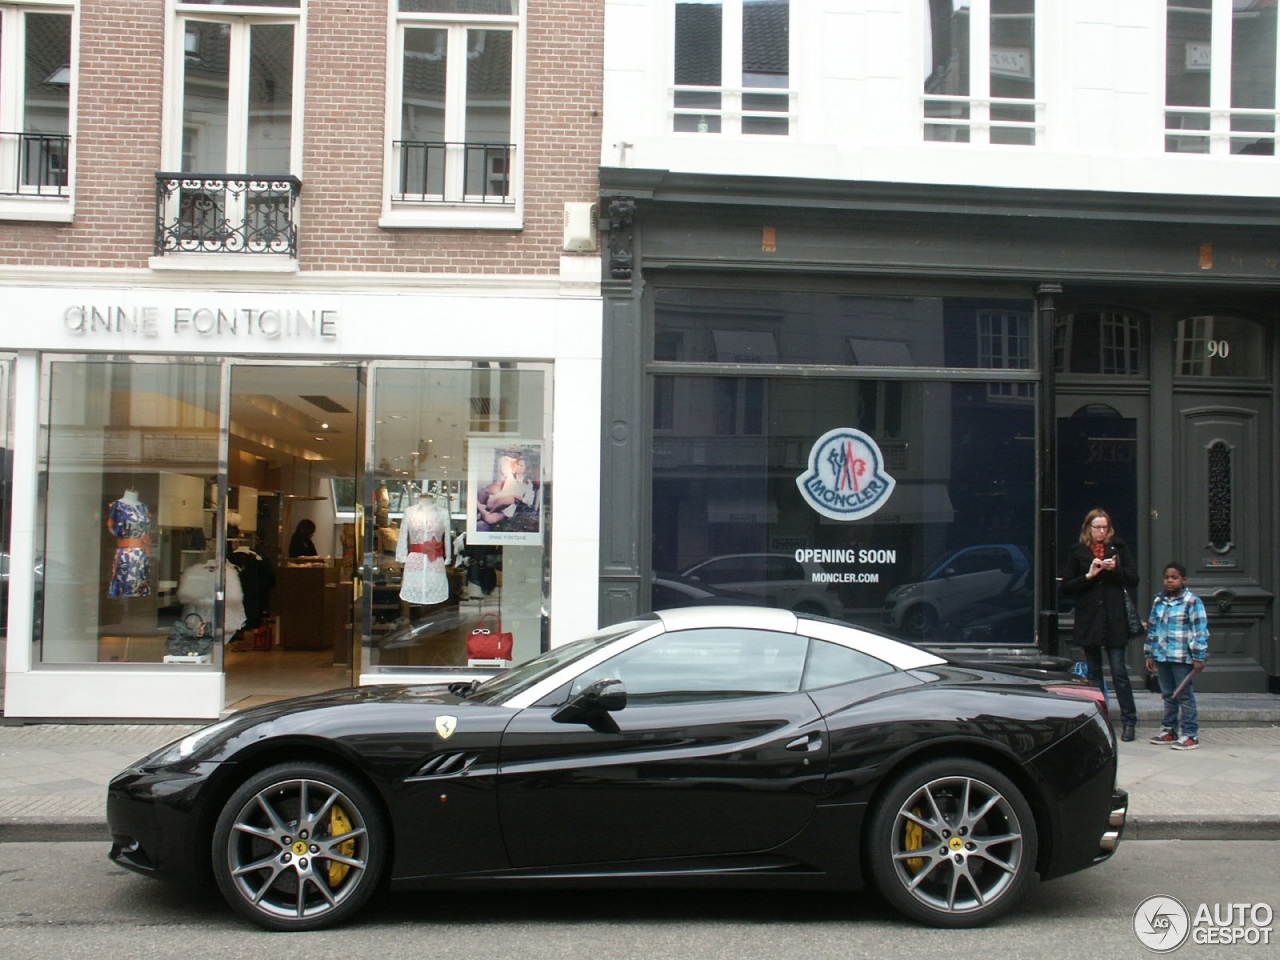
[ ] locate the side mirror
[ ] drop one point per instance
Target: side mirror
(594, 704)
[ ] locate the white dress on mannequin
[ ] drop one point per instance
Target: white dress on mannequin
(425, 550)
(196, 591)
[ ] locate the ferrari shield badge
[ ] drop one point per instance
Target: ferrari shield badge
(445, 726)
(846, 479)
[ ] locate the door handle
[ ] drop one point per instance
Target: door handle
(806, 744)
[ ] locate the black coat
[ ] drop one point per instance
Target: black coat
(1100, 616)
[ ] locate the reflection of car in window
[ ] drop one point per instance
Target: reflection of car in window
(961, 583)
(777, 579)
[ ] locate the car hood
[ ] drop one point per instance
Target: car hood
(340, 715)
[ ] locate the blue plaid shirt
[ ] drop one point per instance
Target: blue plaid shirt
(1178, 630)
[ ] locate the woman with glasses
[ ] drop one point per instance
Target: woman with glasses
(1100, 567)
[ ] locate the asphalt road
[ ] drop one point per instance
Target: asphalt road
(64, 901)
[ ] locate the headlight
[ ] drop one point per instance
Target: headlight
(182, 749)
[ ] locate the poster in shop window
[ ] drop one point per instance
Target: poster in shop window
(506, 479)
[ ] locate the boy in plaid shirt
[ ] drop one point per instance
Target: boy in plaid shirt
(1177, 645)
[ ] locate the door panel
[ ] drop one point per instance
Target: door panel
(675, 780)
(1223, 529)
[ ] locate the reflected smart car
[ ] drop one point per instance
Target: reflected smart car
(967, 577)
(736, 747)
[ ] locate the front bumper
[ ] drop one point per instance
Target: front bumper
(156, 823)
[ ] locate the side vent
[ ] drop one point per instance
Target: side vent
(446, 764)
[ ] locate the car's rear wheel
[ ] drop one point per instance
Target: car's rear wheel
(299, 847)
(952, 843)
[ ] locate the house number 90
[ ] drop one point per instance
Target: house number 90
(1219, 348)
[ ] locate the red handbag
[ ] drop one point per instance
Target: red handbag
(488, 642)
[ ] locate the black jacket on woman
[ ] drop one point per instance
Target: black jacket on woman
(1100, 616)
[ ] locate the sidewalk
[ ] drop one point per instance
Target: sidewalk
(53, 777)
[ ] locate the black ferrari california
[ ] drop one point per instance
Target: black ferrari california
(718, 746)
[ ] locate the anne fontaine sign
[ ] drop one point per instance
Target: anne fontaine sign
(104, 323)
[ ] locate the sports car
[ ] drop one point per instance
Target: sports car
(704, 746)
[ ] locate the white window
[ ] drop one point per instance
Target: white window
(980, 71)
(1220, 77)
(732, 67)
(455, 114)
(231, 130)
(36, 72)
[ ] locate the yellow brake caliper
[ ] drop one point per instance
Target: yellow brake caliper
(340, 823)
(912, 839)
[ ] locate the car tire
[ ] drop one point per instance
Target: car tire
(919, 622)
(299, 847)
(952, 843)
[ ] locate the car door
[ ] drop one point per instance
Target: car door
(717, 752)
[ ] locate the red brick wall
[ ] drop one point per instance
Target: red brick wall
(118, 136)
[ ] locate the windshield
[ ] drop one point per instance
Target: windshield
(507, 684)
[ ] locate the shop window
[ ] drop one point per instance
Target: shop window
(454, 156)
(831, 329)
(459, 514)
(1215, 346)
(130, 472)
(980, 72)
(1206, 112)
(1099, 342)
(731, 523)
(732, 67)
(36, 75)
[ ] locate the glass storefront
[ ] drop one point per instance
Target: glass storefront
(458, 517)
(943, 550)
(288, 511)
(128, 496)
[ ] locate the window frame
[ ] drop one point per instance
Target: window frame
(31, 204)
(979, 103)
(1217, 135)
(732, 91)
(456, 211)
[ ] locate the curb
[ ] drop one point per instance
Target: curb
(1151, 827)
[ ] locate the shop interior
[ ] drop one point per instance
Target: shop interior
(328, 570)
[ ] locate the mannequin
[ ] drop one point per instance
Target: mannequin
(196, 591)
(129, 521)
(425, 549)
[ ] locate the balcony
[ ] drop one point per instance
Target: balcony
(450, 172)
(34, 164)
(227, 213)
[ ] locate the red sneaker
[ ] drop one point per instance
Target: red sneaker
(1185, 743)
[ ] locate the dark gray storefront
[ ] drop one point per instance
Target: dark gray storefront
(1008, 359)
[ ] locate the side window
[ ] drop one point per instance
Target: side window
(831, 663)
(785, 568)
(453, 159)
(35, 109)
(710, 664)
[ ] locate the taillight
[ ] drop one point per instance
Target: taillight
(1082, 691)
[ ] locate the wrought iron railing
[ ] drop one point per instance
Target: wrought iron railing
(226, 213)
(450, 172)
(40, 169)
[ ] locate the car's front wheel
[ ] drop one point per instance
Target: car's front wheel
(299, 847)
(952, 843)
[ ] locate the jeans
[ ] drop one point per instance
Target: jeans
(1119, 677)
(1172, 673)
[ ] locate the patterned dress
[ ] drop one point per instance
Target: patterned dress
(425, 550)
(131, 568)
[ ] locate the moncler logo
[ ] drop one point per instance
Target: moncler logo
(846, 479)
